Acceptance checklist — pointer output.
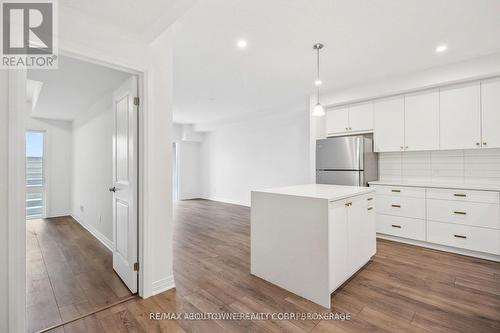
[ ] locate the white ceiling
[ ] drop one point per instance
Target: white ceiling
(72, 88)
(143, 20)
(364, 40)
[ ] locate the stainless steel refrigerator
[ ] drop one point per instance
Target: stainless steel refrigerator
(346, 160)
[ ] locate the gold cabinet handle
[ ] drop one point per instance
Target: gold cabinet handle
(460, 195)
(369, 199)
(478, 144)
(396, 226)
(397, 191)
(370, 208)
(401, 147)
(484, 143)
(460, 213)
(348, 204)
(406, 147)
(460, 236)
(396, 206)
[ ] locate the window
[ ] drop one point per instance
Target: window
(35, 180)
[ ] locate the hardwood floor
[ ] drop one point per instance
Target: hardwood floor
(69, 273)
(404, 289)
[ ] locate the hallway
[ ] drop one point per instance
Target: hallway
(69, 273)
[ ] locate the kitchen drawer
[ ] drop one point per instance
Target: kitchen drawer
(463, 195)
(465, 213)
(401, 226)
(465, 237)
(401, 206)
(405, 191)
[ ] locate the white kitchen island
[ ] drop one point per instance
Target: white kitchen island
(310, 239)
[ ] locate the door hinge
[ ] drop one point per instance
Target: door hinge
(136, 267)
(136, 100)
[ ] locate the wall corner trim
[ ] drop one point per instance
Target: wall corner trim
(162, 285)
(96, 233)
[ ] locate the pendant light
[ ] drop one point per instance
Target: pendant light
(318, 110)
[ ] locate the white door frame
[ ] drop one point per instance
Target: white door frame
(17, 179)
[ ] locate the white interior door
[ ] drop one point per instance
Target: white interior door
(125, 162)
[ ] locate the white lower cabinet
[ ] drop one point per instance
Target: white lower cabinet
(458, 218)
(401, 226)
(398, 205)
(465, 237)
(475, 214)
(356, 218)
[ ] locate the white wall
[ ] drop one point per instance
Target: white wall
(58, 157)
(259, 153)
(188, 170)
(93, 169)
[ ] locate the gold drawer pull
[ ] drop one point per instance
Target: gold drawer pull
(369, 199)
(348, 204)
(460, 236)
(396, 226)
(397, 191)
(396, 206)
(460, 213)
(460, 195)
(370, 208)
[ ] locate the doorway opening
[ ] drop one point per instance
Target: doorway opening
(82, 199)
(35, 175)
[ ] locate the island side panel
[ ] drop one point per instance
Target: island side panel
(289, 244)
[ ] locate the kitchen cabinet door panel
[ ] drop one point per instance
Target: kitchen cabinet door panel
(460, 115)
(361, 117)
(490, 104)
(422, 121)
(337, 121)
(389, 124)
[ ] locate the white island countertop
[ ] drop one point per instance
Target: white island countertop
(477, 187)
(320, 191)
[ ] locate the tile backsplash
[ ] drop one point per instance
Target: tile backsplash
(472, 166)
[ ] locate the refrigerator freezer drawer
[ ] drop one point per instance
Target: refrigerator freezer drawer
(352, 178)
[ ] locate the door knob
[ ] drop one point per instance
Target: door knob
(113, 189)
(484, 143)
(478, 144)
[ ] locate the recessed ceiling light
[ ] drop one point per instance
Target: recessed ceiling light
(441, 48)
(318, 82)
(242, 44)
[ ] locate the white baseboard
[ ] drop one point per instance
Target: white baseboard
(163, 285)
(96, 233)
(225, 200)
(439, 247)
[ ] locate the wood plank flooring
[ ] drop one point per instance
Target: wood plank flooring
(69, 273)
(404, 289)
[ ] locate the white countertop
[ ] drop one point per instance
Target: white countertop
(479, 187)
(320, 191)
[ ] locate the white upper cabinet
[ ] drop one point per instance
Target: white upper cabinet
(361, 117)
(422, 121)
(460, 117)
(490, 104)
(337, 121)
(388, 124)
